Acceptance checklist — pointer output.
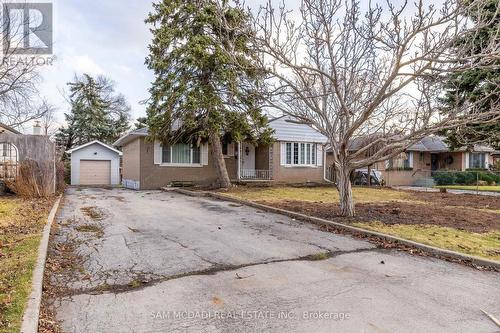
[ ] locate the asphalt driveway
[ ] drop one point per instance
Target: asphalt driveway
(163, 262)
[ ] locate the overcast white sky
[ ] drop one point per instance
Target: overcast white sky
(102, 37)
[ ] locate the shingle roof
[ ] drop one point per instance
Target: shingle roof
(430, 143)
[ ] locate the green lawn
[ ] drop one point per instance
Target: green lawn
(493, 188)
(21, 223)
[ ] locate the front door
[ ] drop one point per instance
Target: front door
(434, 162)
(248, 159)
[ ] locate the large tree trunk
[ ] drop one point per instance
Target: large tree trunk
(219, 163)
(345, 191)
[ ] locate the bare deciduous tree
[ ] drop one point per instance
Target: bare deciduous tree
(370, 75)
(18, 75)
(48, 119)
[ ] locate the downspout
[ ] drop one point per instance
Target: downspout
(239, 160)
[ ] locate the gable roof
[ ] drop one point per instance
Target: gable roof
(287, 128)
(8, 128)
(436, 144)
(94, 142)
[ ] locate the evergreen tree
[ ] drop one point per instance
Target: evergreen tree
(141, 122)
(97, 113)
(476, 85)
(207, 81)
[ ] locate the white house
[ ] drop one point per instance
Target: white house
(95, 163)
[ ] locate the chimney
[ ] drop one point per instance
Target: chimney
(37, 129)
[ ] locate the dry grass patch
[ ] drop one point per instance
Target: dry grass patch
(316, 194)
(93, 212)
(486, 245)
(21, 224)
(468, 224)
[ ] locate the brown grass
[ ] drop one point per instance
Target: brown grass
(93, 212)
(21, 223)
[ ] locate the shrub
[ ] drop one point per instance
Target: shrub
(61, 172)
(465, 177)
(33, 180)
(444, 178)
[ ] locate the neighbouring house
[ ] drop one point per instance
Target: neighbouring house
(296, 156)
(496, 159)
(16, 147)
(95, 164)
(416, 165)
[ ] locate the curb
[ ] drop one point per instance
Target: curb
(447, 254)
(32, 311)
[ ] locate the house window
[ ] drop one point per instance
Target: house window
(288, 153)
(8, 161)
(181, 153)
(301, 154)
(404, 162)
(477, 161)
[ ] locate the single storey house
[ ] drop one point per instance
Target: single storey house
(95, 163)
(431, 154)
(296, 156)
(416, 165)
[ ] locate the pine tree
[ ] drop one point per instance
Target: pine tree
(207, 82)
(97, 113)
(141, 122)
(476, 85)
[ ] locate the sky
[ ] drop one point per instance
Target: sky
(101, 37)
(104, 37)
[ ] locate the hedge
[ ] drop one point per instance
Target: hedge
(464, 177)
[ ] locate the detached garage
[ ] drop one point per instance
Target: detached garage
(95, 163)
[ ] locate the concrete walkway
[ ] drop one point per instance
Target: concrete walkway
(163, 262)
(431, 189)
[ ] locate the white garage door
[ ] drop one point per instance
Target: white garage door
(95, 172)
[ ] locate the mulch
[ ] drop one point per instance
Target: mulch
(464, 200)
(472, 220)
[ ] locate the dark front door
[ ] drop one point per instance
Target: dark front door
(434, 162)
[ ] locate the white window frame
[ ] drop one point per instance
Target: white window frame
(482, 157)
(189, 165)
(307, 155)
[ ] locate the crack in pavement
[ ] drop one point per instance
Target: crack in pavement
(216, 268)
